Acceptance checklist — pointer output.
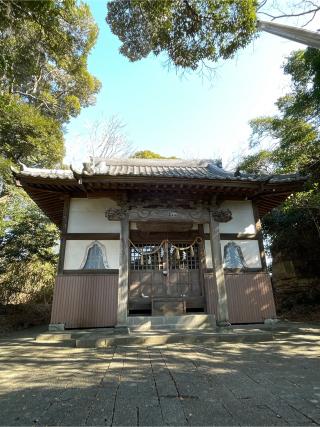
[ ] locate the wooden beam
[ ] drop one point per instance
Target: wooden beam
(64, 229)
(91, 236)
(234, 236)
(156, 237)
(91, 271)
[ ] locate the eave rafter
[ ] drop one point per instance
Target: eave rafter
(49, 191)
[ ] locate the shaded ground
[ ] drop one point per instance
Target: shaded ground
(301, 313)
(15, 317)
(272, 383)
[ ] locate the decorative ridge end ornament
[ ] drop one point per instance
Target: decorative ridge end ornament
(14, 170)
(116, 214)
(23, 166)
(88, 168)
(76, 173)
(221, 215)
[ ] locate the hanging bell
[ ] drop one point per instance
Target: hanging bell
(192, 251)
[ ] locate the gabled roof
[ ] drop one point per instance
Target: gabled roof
(195, 180)
(162, 168)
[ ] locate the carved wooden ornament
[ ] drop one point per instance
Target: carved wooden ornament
(116, 214)
(221, 215)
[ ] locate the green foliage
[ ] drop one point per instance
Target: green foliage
(261, 162)
(189, 31)
(28, 136)
(57, 37)
(147, 154)
(304, 68)
(30, 281)
(293, 138)
(291, 232)
(295, 142)
(44, 81)
(27, 241)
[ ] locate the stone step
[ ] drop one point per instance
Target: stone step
(54, 337)
(59, 336)
(186, 322)
(57, 343)
(163, 337)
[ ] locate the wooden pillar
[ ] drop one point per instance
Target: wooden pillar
(218, 273)
(259, 236)
(202, 258)
(64, 231)
(123, 272)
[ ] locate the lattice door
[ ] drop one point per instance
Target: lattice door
(164, 272)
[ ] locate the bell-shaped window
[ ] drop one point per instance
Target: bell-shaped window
(233, 257)
(95, 258)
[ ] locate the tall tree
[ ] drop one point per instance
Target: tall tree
(44, 81)
(147, 154)
(292, 138)
(192, 32)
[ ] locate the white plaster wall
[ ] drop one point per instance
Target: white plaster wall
(242, 218)
(250, 250)
(88, 216)
(76, 250)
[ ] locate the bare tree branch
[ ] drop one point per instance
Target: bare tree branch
(108, 139)
(300, 9)
(291, 15)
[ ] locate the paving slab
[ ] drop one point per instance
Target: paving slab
(266, 383)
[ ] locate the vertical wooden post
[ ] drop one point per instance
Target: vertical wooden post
(123, 272)
(202, 258)
(259, 236)
(218, 273)
(64, 230)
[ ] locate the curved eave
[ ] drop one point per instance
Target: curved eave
(49, 192)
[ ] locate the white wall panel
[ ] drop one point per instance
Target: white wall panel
(88, 216)
(250, 250)
(76, 251)
(242, 218)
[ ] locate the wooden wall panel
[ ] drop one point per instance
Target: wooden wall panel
(250, 297)
(85, 301)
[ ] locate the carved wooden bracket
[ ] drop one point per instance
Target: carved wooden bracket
(221, 215)
(116, 214)
(193, 216)
(172, 215)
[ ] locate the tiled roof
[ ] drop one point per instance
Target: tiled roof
(46, 173)
(162, 168)
(167, 168)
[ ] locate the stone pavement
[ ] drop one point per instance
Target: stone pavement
(270, 383)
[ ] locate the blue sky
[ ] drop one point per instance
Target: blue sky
(182, 115)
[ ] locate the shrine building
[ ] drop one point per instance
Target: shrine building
(144, 239)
